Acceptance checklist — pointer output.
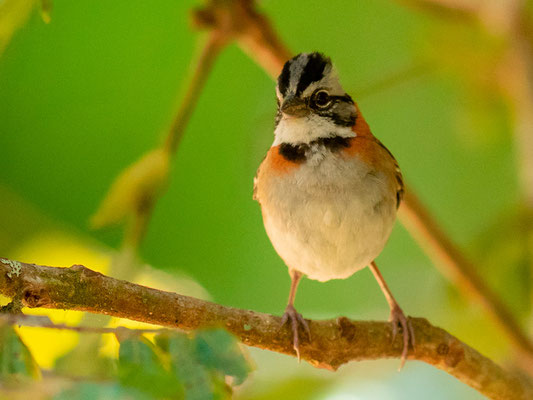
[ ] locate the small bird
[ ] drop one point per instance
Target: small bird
(328, 189)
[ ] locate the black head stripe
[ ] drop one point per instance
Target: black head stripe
(313, 71)
(284, 77)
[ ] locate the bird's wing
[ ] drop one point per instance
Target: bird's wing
(400, 188)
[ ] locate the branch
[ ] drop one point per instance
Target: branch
(250, 29)
(452, 9)
(200, 72)
(521, 91)
(256, 36)
(334, 342)
(510, 20)
(135, 191)
(457, 268)
(42, 321)
(201, 69)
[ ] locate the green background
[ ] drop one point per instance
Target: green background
(89, 93)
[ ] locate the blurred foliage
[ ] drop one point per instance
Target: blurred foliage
(217, 350)
(46, 10)
(16, 361)
(88, 87)
(135, 190)
(90, 390)
(140, 366)
(13, 14)
(174, 366)
(505, 250)
(84, 361)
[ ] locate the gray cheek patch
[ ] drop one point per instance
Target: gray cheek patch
(341, 114)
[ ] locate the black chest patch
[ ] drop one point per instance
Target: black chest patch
(294, 153)
(299, 152)
(334, 143)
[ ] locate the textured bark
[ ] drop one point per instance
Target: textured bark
(334, 342)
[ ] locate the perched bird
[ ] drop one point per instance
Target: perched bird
(328, 189)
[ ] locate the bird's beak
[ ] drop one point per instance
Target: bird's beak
(294, 107)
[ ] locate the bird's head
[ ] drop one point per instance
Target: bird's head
(311, 102)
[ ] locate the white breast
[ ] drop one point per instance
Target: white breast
(330, 217)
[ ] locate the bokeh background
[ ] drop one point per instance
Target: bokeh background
(89, 92)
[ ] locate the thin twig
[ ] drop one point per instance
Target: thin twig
(31, 322)
(201, 69)
(334, 342)
(452, 9)
(458, 269)
(251, 29)
(507, 19)
(138, 188)
(523, 96)
(200, 72)
(398, 77)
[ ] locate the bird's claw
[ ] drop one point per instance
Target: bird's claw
(398, 318)
(295, 320)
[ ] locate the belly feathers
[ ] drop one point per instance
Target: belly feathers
(328, 234)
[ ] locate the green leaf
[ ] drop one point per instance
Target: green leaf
(87, 390)
(141, 366)
(297, 387)
(84, 360)
(195, 377)
(13, 15)
(219, 350)
(203, 361)
(135, 189)
(16, 360)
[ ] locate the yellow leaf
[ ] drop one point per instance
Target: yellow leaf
(134, 190)
(13, 15)
(63, 249)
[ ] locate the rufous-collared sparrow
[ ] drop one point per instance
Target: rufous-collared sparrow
(328, 189)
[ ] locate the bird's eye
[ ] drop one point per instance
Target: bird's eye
(321, 99)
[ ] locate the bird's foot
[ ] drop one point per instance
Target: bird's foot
(295, 319)
(398, 318)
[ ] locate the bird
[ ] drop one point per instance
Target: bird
(328, 189)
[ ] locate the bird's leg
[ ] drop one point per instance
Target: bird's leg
(397, 317)
(292, 315)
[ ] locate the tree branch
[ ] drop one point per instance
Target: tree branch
(201, 70)
(135, 191)
(334, 342)
(508, 19)
(458, 269)
(453, 9)
(252, 30)
(42, 321)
